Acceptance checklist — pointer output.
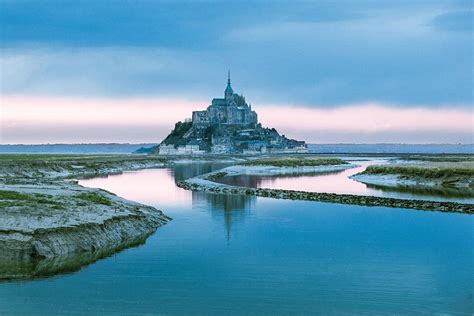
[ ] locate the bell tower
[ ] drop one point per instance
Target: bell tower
(229, 93)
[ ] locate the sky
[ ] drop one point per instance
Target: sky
(321, 71)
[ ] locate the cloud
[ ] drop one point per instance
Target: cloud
(454, 21)
(354, 71)
(391, 56)
(369, 119)
(99, 72)
(66, 119)
(172, 24)
(41, 119)
(304, 52)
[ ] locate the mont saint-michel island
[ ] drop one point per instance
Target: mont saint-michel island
(227, 126)
(236, 157)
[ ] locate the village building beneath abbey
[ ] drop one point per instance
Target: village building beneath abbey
(227, 126)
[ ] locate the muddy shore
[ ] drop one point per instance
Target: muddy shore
(48, 218)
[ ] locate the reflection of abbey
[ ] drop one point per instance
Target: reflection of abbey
(230, 110)
(227, 126)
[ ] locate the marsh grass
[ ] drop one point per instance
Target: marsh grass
(77, 158)
(13, 195)
(95, 198)
(13, 198)
(29, 166)
(216, 176)
(449, 174)
(39, 156)
(295, 162)
(441, 158)
(430, 171)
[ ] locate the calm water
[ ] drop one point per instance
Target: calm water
(240, 255)
(341, 183)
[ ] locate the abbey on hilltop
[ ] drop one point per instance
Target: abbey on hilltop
(230, 110)
(227, 126)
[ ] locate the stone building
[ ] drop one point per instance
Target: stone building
(180, 150)
(230, 110)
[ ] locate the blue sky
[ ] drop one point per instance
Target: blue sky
(312, 54)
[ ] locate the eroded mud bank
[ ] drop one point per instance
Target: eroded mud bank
(50, 223)
(206, 183)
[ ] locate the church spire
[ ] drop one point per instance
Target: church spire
(228, 90)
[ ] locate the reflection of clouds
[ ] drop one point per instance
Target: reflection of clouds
(446, 192)
(150, 186)
(335, 182)
(341, 183)
(23, 268)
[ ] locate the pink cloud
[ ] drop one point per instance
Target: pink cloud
(28, 119)
(85, 111)
(368, 118)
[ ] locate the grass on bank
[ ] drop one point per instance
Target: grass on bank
(41, 156)
(14, 198)
(95, 198)
(295, 162)
(427, 171)
(13, 195)
(79, 157)
(10, 198)
(439, 158)
(216, 176)
(38, 165)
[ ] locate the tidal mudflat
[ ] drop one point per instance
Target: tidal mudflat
(48, 218)
(236, 254)
(451, 175)
(258, 253)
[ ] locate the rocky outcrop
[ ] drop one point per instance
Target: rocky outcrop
(227, 126)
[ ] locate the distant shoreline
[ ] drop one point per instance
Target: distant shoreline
(128, 148)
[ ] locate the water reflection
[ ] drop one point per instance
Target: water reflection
(157, 187)
(226, 208)
(243, 255)
(341, 183)
(146, 186)
(334, 182)
(423, 192)
(183, 171)
(232, 208)
(151, 186)
(32, 268)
